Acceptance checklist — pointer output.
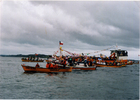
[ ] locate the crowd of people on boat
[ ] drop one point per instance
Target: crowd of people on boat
(72, 61)
(88, 61)
(51, 66)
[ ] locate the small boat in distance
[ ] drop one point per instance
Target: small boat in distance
(45, 70)
(26, 60)
(32, 59)
(136, 62)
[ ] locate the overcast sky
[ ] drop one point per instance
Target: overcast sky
(29, 27)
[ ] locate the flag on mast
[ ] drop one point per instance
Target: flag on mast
(60, 43)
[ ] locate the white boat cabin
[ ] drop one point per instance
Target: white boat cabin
(120, 54)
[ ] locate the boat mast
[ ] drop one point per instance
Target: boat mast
(60, 48)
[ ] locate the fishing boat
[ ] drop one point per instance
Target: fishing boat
(26, 60)
(136, 62)
(33, 58)
(121, 55)
(129, 63)
(45, 70)
(81, 66)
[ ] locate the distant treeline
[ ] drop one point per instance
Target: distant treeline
(33, 55)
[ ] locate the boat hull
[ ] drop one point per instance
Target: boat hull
(100, 65)
(129, 63)
(45, 70)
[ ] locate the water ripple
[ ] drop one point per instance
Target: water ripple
(103, 83)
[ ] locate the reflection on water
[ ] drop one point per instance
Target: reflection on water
(103, 83)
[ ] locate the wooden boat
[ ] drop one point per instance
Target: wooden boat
(107, 60)
(123, 65)
(45, 70)
(136, 62)
(101, 65)
(81, 66)
(25, 60)
(129, 63)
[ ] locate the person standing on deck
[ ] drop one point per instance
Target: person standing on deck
(90, 62)
(70, 61)
(51, 66)
(85, 62)
(64, 63)
(55, 66)
(47, 65)
(37, 65)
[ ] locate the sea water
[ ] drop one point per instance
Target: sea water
(103, 83)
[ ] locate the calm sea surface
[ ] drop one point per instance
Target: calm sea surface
(103, 83)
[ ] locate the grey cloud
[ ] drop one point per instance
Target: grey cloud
(44, 23)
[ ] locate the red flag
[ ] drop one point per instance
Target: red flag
(60, 43)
